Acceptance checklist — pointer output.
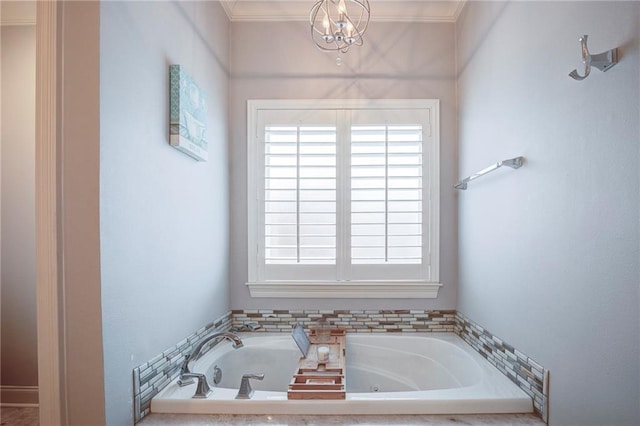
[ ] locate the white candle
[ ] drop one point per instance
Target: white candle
(323, 354)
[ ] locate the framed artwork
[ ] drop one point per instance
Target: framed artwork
(187, 124)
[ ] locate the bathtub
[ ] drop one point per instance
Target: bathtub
(417, 373)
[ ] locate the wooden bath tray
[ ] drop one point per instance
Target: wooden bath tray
(321, 380)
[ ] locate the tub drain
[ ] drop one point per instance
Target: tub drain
(374, 388)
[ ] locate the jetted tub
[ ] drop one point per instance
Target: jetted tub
(420, 373)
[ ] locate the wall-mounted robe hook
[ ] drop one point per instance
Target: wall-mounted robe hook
(603, 61)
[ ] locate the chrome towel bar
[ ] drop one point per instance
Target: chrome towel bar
(514, 163)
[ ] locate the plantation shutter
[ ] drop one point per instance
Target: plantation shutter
(387, 194)
(300, 193)
(342, 195)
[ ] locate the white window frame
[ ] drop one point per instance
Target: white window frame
(422, 288)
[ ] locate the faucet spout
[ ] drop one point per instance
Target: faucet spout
(195, 354)
(237, 342)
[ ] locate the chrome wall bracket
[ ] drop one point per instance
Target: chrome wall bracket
(514, 163)
(603, 61)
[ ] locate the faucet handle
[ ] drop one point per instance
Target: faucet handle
(245, 391)
(257, 376)
(202, 388)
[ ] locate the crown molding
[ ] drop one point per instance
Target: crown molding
(227, 6)
(382, 10)
(305, 18)
(461, 5)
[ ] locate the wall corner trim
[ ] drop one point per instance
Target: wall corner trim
(48, 307)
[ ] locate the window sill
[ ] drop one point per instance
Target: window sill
(346, 289)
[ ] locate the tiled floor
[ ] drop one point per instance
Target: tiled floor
(285, 420)
(12, 416)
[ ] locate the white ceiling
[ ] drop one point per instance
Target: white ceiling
(381, 10)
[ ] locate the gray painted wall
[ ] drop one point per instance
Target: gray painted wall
(549, 254)
(278, 61)
(18, 286)
(163, 216)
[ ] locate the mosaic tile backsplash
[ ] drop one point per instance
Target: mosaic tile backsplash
(530, 376)
(151, 377)
(154, 375)
(364, 321)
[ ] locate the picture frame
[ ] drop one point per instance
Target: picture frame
(188, 121)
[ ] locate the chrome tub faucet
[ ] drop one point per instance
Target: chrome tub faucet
(186, 376)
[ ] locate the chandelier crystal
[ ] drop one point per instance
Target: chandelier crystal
(336, 25)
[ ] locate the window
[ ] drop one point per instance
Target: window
(343, 198)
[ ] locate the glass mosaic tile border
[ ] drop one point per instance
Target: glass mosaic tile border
(154, 375)
(359, 321)
(529, 375)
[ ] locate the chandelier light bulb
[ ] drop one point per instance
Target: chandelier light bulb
(342, 8)
(349, 39)
(327, 36)
(341, 25)
(342, 12)
(325, 23)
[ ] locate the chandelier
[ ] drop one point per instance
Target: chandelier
(336, 25)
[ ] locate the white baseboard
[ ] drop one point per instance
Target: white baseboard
(18, 396)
